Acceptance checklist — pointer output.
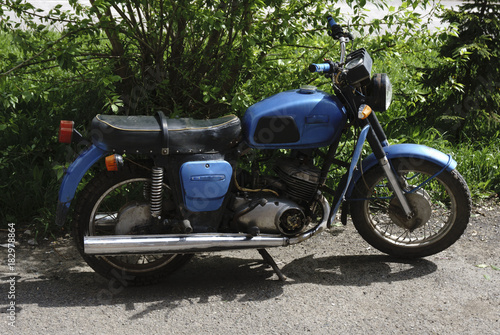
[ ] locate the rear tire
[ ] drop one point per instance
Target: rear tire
(441, 209)
(105, 197)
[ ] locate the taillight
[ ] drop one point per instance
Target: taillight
(66, 131)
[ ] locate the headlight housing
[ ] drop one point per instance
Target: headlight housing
(380, 96)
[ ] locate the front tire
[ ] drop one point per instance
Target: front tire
(117, 203)
(441, 208)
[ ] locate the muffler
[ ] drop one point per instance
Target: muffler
(192, 243)
(186, 243)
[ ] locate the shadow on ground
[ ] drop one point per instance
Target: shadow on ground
(206, 277)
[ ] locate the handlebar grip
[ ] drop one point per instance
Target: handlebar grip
(323, 67)
(336, 30)
(331, 21)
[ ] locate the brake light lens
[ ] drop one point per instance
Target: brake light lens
(66, 131)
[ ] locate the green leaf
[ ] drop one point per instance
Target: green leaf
(482, 266)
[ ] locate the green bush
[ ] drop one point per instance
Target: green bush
(193, 58)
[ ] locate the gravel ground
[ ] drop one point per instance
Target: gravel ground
(337, 284)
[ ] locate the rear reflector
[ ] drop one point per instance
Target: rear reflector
(66, 131)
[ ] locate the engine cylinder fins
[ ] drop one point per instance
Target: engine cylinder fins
(301, 179)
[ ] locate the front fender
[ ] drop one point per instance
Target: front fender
(72, 178)
(407, 150)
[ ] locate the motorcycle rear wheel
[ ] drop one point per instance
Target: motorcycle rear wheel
(441, 209)
(101, 206)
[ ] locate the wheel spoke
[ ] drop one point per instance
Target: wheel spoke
(105, 219)
(439, 200)
(432, 192)
(113, 203)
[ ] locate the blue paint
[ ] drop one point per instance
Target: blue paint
(72, 178)
(416, 153)
(205, 184)
(319, 118)
(354, 161)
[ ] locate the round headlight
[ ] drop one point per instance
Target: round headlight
(380, 92)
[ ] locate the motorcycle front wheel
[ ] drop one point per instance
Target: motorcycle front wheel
(117, 203)
(440, 202)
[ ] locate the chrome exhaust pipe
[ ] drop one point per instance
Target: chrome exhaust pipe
(186, 243)
(192, 243)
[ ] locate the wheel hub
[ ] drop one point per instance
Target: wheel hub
(420, 205)
(132, 215)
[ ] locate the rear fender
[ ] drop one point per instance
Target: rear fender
(414, 152)
(72, 178)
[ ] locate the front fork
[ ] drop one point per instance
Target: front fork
(377, 140)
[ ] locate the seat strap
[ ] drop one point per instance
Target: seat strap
(162, 120)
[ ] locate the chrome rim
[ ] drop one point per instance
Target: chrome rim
(105, 218)
(434, 206)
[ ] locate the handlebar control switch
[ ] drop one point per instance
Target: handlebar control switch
(336, 30)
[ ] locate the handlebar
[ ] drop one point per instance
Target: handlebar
(323, 67)
(336, 30)
(337, 33)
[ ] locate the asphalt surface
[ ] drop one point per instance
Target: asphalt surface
(337, 284)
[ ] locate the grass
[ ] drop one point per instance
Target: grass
(478, 162)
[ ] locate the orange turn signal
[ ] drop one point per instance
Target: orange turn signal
(66, 131)
(114, 162)
(364, 111)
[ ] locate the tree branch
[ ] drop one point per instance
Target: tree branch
(28, 61)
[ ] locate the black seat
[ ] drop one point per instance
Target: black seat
(161, 135)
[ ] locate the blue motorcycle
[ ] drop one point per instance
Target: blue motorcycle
(175, 187)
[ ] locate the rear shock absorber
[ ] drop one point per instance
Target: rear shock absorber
(156, 191)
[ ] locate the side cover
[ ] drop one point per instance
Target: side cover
(205, 184)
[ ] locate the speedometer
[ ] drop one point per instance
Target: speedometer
(358, 67)
(353, 63)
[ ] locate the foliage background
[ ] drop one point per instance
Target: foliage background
(204, 58)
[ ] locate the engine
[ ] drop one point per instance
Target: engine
(297, 184)
(300, 179)
(269, 216)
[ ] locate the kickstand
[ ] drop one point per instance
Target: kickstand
(269, 260)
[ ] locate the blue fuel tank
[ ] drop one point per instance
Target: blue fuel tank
(297, 119)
